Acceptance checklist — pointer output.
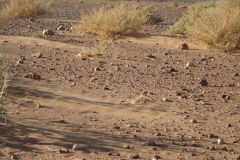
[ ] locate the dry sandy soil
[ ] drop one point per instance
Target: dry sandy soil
(90, 101)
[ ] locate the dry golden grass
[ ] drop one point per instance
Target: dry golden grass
(24, 8)
(120, 20)
(215, 24)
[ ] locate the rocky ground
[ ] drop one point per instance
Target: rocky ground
(141, 99)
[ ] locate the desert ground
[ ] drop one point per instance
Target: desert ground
(142, 98)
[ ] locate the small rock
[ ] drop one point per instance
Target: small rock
(76, 147)
(193, 121)
(151, 143)
(229, 125)
(151, 56)
(106, 88)
(39, 106)
(27, 75)
(225, 97)
(20, 62)
(172, 70)
(135, 156)
(61, 28)
(37, 55)
(212, 135)
(156, 157)
(157, 134)
(35, 76)
(212, 148)
(126, 146)
(97, 69)
(22, 58)
(182, 46)
(203, 82)
(116, 127)
(220, 141)
(48, 32)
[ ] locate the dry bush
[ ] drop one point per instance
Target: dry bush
(120, 20)
(216, 25)
(4, 83)
(24, 8)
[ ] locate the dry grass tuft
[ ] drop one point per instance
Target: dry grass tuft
(121, 20)
(24, 8)
(216, 25)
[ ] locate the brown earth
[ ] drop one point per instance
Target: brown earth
(142, 97)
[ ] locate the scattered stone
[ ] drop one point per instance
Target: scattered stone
(189, 64)
(182, 46)
(135, 156)
(156, 157)
(151, 56)
(35, 76)
(220, 141)
(166, 100)
(22, 58)
(157, 134)
(229, 125)
(172, 70)
(193, 121)
(39, 106)
(116, 127)
(61, 28)
(76, 147)
(203, 82)
(225, 97)
(27, 75)
(97, 69)
(106, 88)
(151, 143)
(48, 32)
(212, 135)
(126, 146)
(37, 55)
(20, 62)
(236, 74)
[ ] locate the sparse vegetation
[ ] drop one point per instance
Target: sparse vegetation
(24, 8)
(120, 20)
(4, 83)
(214, 24)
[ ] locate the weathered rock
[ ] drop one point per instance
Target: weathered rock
(220, 141)
(61, 28)
(37, 55)
(182, 46)
(193, 121)
(48, 32)
(35, 76)
(76, 147)
(135, 156)
(203, 82)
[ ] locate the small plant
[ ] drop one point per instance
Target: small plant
(216, 24)
(99, 50)
(4, 83)
(120, 20)
(24, 8)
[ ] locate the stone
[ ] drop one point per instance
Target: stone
(35, 76)
(182, 46)
(135, 156)
(156, 157)
(61, 28)
(193, 121)
(20, 62)
(97, 69)
(27, 75)
(220, 141)
(37, 55)
(39, 106)
(48, 32)
(212, 135)
(76, 147)
(126, 146)
(203, 82)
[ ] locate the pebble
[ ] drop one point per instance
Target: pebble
(126, 146)
(135, 156)
(20, 62)
(203, 82)
(193, 121)
(35, 76)
(48, 32)
(39, 106)
(97, 69)
(76, 147)
(229, 125)
(182, 46)
(220, 141)
(212, 135)
(37, 55)
(61, 28)
(156, 157)
(151, 143)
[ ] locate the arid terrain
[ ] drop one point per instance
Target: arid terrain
(142, 98)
